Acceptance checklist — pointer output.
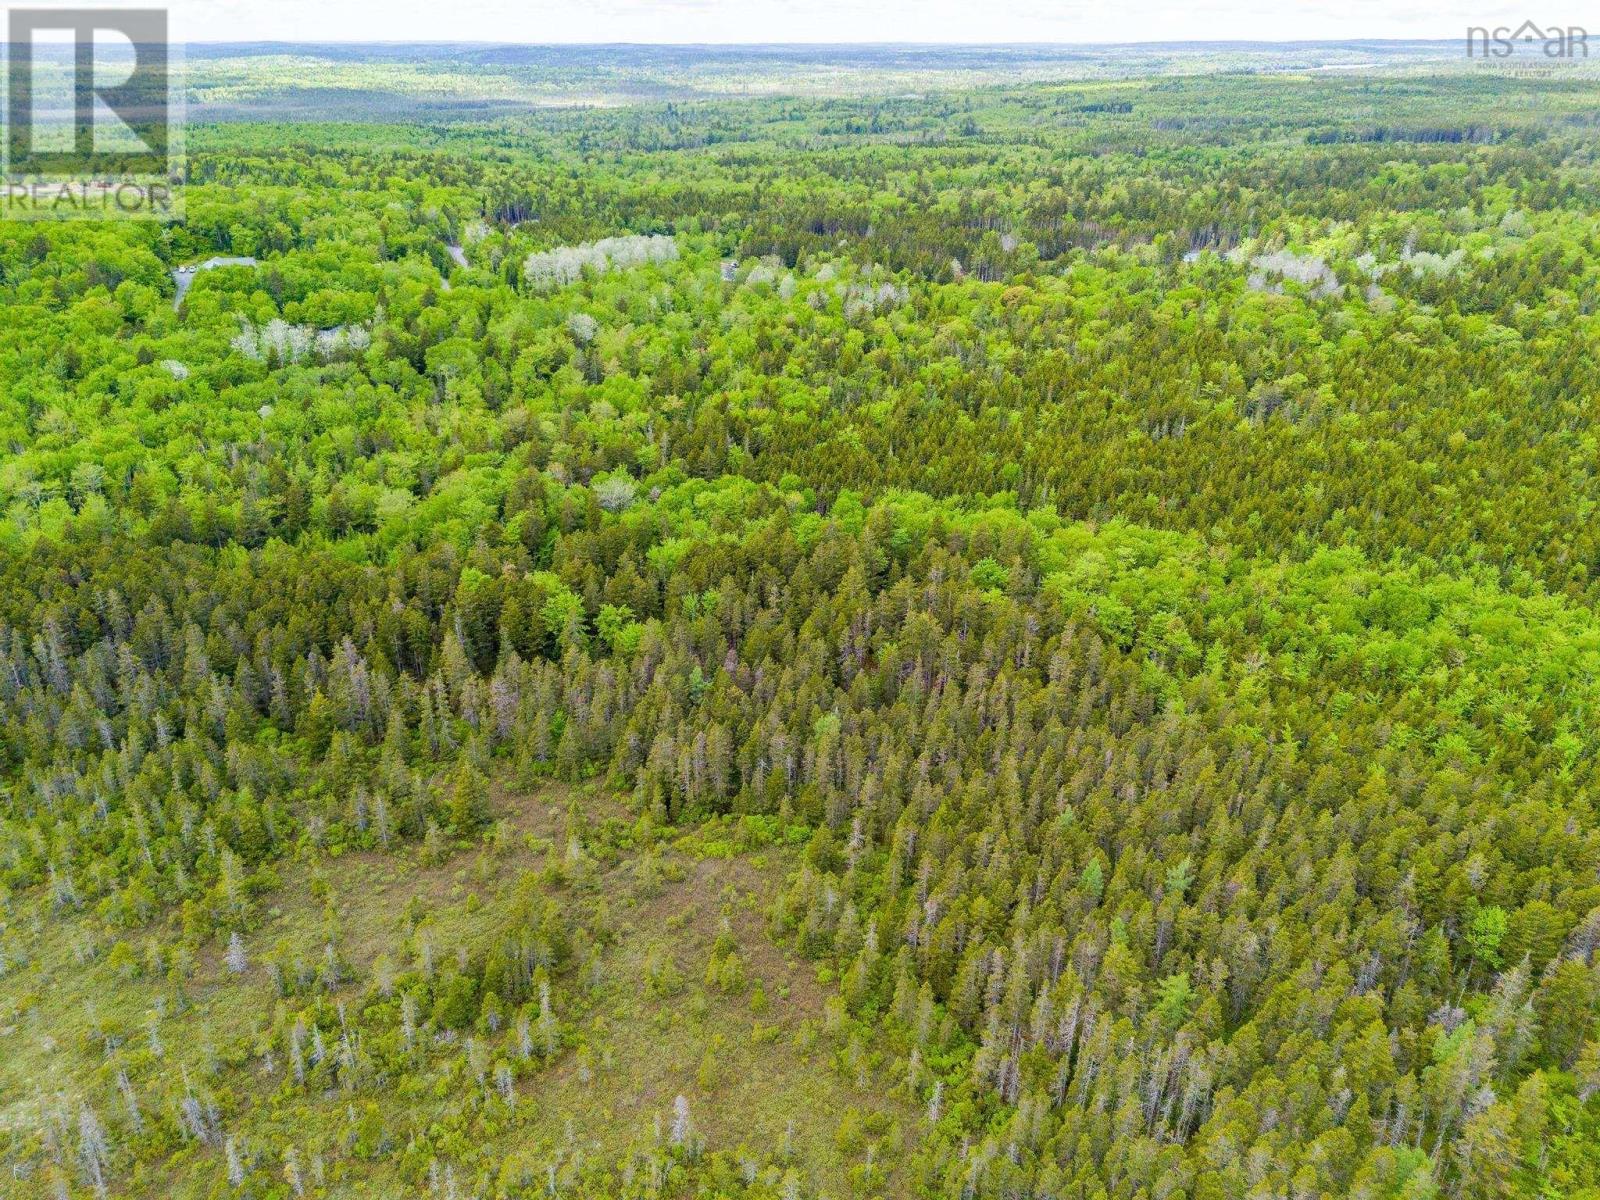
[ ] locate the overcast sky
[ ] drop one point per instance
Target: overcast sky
(536, 21)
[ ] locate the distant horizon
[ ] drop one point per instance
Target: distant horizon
(828, 45)
(753, 23)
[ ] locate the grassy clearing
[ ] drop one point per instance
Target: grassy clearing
(643, 1023)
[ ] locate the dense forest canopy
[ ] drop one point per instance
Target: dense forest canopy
(1028, 640)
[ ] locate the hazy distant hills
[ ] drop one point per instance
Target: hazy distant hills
(386, 81)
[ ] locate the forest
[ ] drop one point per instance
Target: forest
(1007, 640)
